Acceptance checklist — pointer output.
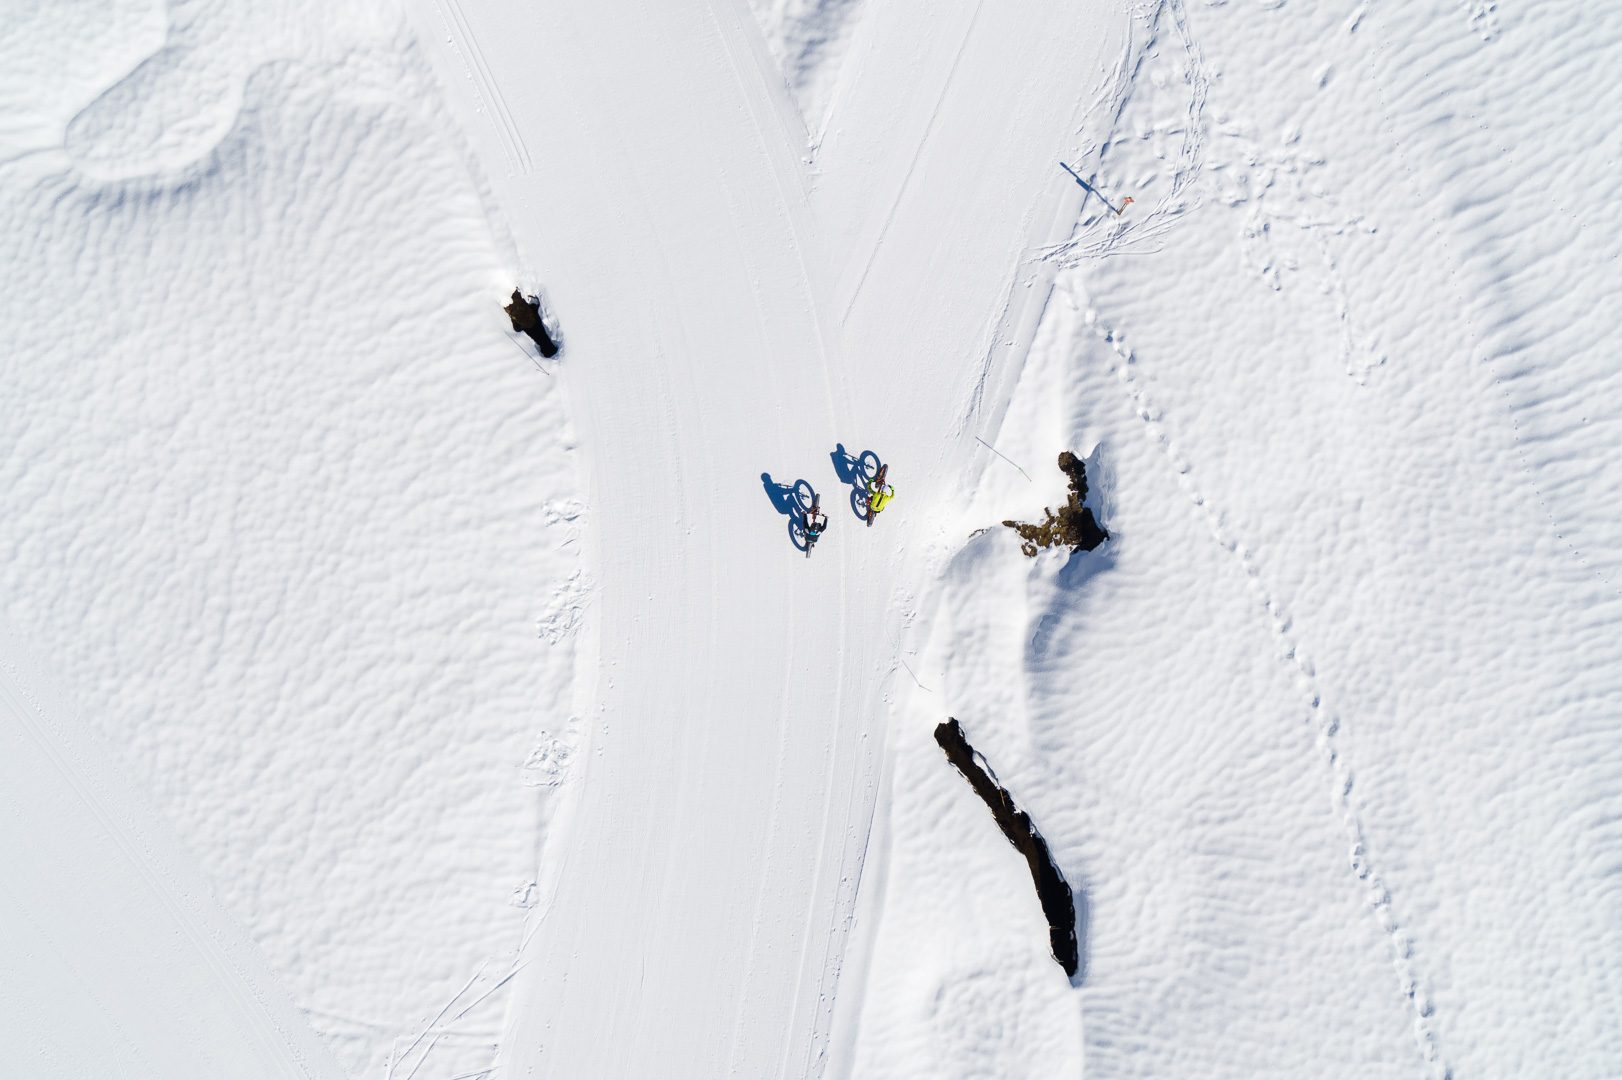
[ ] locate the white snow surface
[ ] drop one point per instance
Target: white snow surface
(116, 961)
(809, 39)
(1326, 736)
(287, 511)
(398, 736)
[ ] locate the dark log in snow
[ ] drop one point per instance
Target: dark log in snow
(1058, 903)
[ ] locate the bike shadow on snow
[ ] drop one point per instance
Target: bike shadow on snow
(793, 501)
(855, 470)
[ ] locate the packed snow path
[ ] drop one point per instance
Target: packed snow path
(725, 317)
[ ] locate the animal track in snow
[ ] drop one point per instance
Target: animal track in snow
(1325, 722)
(566, 610)
(1483, 17)
(1279, 184)
(559, 510)
(548, 763)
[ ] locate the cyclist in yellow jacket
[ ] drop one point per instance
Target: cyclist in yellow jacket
(879, 493)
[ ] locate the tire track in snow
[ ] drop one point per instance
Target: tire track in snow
(485, 88)
(792, 191)
(1325, 722)
(912, 166)
(858, 806)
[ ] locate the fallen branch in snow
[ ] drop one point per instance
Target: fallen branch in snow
(914, 675)
(1058, 902)
(1004, 456)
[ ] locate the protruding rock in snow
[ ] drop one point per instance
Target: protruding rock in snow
(1074, 525)
(525, 312)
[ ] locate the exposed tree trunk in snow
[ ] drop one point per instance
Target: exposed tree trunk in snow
(1058, 902)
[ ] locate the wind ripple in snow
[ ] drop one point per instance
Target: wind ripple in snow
(1376, 365)
(284, 506)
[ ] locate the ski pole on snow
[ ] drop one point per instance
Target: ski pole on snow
(1124, 202)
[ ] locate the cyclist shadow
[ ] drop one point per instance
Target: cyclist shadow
(793, 501)
(855, 470)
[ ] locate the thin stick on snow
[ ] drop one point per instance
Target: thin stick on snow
(530, 358)
(914, 675)
(1004, 456)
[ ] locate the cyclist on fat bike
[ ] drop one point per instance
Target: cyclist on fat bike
(879, 494)
(815, 522)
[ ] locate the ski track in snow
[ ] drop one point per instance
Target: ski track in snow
(911, 169)
(1136, 232)
(493, 103)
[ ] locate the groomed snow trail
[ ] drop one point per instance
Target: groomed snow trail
(724, 789)
(694, 913)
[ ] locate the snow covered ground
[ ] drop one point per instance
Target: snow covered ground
(289, 514)
(386, 702)
(1327, 735)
